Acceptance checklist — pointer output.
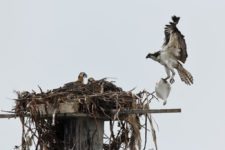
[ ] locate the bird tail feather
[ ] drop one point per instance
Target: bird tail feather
(185, 76)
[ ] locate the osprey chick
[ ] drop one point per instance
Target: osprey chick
(173, 53)
(91, 80)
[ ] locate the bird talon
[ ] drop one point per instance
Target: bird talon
(172, 81)
(164, 103)
(164, 79)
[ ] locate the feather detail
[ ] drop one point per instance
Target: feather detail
(185, 76)
(174, 39)
(175, 19)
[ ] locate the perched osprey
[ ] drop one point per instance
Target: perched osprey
(173, 53)
(79, 81)
(81, 77)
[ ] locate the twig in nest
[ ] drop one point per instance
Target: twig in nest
(146, 129)
(53, 116)
(153, 131)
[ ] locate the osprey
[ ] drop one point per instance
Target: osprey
(81, 77)
(91, 80)
(173, 53)
(79, 81)
(102, 85)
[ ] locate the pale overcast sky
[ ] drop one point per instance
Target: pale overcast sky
(48, 42)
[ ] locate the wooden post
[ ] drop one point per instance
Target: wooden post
(81, 133)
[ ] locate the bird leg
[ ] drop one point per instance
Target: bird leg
(172, 78)
(168, 74)
(165, 101)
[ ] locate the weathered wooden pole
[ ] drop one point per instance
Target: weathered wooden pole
(83, 133)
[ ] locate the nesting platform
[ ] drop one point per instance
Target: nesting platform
(72, 117)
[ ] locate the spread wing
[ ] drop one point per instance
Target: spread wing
(174, 40)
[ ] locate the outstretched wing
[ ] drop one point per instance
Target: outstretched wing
(174, 40)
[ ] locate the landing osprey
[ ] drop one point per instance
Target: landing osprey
(173, 53)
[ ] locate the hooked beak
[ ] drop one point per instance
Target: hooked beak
(85, 75)
(148, 56)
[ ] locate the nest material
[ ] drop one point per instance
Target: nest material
(95, 98)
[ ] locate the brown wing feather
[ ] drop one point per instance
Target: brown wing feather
(175, 40)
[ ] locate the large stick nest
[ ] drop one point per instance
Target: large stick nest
(95, 99)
